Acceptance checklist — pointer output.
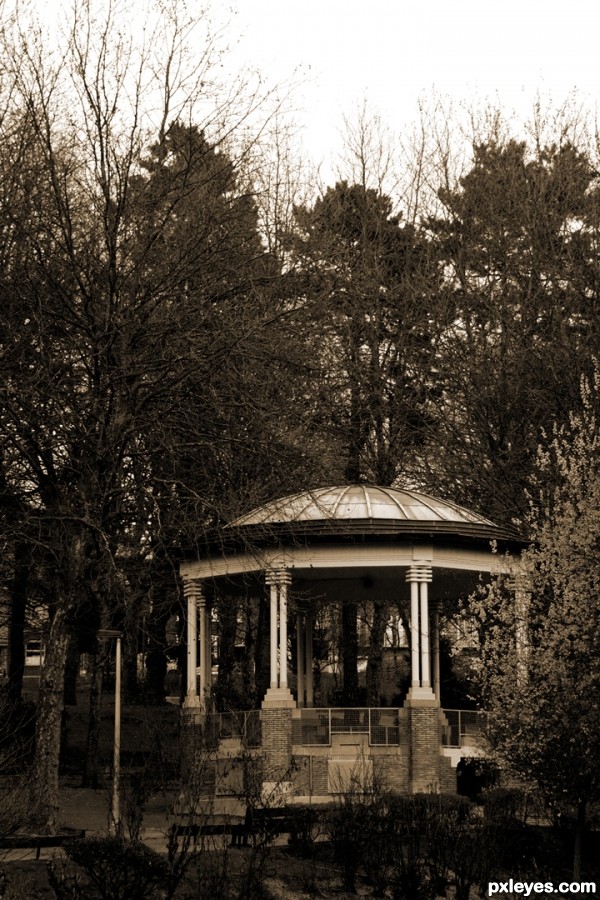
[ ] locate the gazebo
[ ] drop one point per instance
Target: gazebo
(347, 543)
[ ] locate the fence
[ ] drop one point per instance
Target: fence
(317, 726)
(465, 727)
(242, 725)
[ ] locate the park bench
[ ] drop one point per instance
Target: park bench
(36, 842)
(196, 830)
(271, 822)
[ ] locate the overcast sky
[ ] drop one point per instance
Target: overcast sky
(392, 52)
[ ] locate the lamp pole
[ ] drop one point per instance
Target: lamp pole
(115, 812)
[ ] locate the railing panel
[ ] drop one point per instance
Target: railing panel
(316, 726)
(465, 727)
(313, 728)
(349, 721)
(243, 725)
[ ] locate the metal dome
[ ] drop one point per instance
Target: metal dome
(364, 503)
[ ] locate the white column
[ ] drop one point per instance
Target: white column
(192, 589)
(419, 575)
(435, 648)
(414, 634)
(300, 630)
(208, 655)
(273, 633)
(308, 625)
(278, 695)
(284, 580)
(205, 654)
(425, 670)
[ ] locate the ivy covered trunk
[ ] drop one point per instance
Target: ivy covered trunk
(91, 771)
(44, 803)
(381, 614)
(16, 630)
(350, 653)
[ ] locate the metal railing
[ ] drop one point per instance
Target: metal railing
(316, 726)
(465, 727)
(243, 725)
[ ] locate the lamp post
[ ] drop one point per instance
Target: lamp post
(115, 813)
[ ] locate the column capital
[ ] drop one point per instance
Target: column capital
(520, 582)
(419, 573)
(193, 588)
(278, 576)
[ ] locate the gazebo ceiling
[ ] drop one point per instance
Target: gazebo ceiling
(368, 508)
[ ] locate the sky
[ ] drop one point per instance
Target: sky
(393, 52)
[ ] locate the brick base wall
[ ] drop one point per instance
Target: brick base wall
(392, 772)
(448, 781)
(425, 746)
(276, 727)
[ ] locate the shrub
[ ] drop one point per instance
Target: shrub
(119, 869)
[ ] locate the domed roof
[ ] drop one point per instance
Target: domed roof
(369, 506)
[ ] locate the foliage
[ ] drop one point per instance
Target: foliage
(371, 283)
(539, 663)
(516, 235)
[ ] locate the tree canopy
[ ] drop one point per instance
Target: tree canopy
(539, 633)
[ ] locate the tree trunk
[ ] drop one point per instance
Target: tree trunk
(350, 653)
(381, 614)
(91, 770)
(261, 649)
(130, 668)
(16, 631)
(44, 804)
(249, 698)
(579, 833)
(226, 693)
(72, 670)
(156, 657)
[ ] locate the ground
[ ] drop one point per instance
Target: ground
(152, 733)
(286, 875)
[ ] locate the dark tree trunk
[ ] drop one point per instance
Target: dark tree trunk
(91, 771)
(227, 696)
(249, 698)
(16, 631)
(44, 806)
(381, 614)
(350, 654)
(156, 657)
(130, 664)
(261, 649)
(72, 670)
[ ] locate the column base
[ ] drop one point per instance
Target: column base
(278, 698)
(421, 696)
(192, 710)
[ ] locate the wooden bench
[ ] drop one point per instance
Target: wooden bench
(266, 821)
(38, 841)
(196, 830)
(271, 822)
